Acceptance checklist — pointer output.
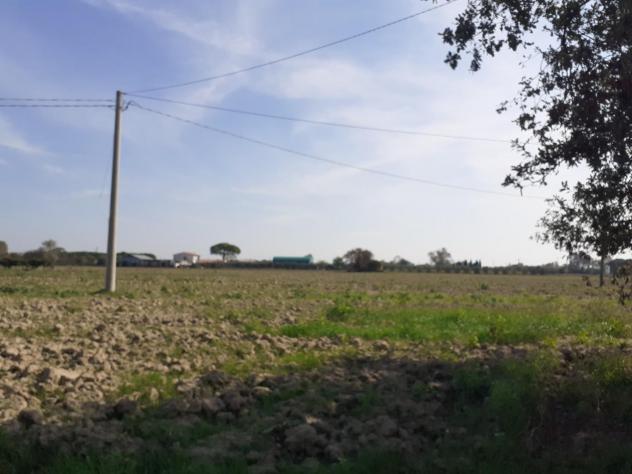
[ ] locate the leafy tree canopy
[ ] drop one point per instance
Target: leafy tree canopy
(402, 262)
(50, 246)
(596, 218)
(577, 108)
(361, 260)
(226, 250)
(338, 262)
(440, 258)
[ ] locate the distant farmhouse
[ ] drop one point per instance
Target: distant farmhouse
(293, 262)
(125, 259)
(184, 259)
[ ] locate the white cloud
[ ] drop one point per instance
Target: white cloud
(11, 138)
(207, 32)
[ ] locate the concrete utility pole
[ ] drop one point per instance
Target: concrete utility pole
(110, 269)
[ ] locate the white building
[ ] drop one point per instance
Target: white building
(185, 258)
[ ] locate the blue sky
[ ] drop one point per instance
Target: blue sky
(184, 188)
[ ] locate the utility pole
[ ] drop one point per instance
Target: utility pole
(110, 269)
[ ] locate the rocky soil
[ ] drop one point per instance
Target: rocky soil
(210, 377)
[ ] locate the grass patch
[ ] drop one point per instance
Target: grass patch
(29, 459)
(302, 361)
(13, 290)
(141, 384)
(367, 402)
(20, 458)
(45, 331)
(169, 432)
(466, 325)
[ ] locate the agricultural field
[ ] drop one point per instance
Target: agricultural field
(264, 371)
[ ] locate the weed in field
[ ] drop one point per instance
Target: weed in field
(472, 383)
(301, 361)
(145, 383)
(341, 311)
(43, 332)
(367, 402)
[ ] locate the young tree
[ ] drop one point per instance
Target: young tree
(401, 262)
(338, 262)
(358, 259)
(595, 218)
(226, 250)
(50, 252)
(48, 246)
(440, 258)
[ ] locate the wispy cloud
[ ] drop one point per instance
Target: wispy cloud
(11, 138)
(207, 32)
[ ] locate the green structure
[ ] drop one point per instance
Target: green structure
(305, 261)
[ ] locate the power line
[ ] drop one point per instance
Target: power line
(325, 123)
(327, 160)
(56, 106)
(31, 99)
(300, 53)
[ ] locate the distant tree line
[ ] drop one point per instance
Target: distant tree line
(48, 254)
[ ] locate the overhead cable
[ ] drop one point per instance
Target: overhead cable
(325, 123)
(295, 55)
(327, 160)
(31, 99)
(57, 106)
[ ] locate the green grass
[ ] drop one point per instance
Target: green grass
(463, 325)
(158, 462)
(143, 383)
(43, 332)
(167, 432)
(509, 406)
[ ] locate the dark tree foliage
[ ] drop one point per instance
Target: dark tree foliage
(595, 218)
(440, 258)
(226, 250)
(358, 259)
(4, 248)
(622, 279)
(577, 108)
(361, 260)
(338, 262)
(49, 252)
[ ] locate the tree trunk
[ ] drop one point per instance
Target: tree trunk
(602, 267)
